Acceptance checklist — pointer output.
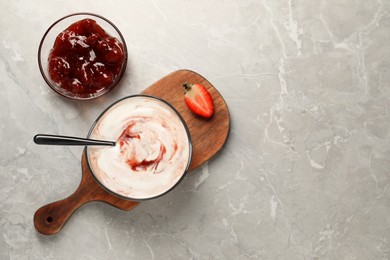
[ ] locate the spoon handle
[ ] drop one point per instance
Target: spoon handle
(68, 140)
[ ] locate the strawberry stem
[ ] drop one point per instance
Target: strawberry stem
(187, 86)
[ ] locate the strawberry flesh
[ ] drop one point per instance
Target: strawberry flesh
(199, 100)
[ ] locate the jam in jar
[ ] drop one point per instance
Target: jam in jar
(85, 59)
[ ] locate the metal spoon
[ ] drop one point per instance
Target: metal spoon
(69, 140)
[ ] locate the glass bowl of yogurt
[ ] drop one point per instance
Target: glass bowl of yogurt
(153, 148)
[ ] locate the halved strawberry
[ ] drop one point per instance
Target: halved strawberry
(198, 99)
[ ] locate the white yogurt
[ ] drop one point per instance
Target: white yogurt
(152, 150)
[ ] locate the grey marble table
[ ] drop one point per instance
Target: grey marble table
(304, 174)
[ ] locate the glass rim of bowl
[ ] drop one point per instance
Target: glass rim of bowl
(101, 93)
(188, 139)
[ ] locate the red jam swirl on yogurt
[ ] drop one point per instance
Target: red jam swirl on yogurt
(85, 59)
(152, 148)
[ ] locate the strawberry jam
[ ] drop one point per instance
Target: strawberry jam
(85, 59)
(131, 150)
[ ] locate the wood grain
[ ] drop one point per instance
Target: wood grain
(208, 137)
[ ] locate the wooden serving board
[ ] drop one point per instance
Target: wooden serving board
(208, 137)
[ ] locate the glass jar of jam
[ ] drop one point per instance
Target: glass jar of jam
(85, 61)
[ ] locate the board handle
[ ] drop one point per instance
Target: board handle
(49, 219)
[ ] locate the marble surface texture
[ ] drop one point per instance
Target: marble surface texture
(305, 171)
